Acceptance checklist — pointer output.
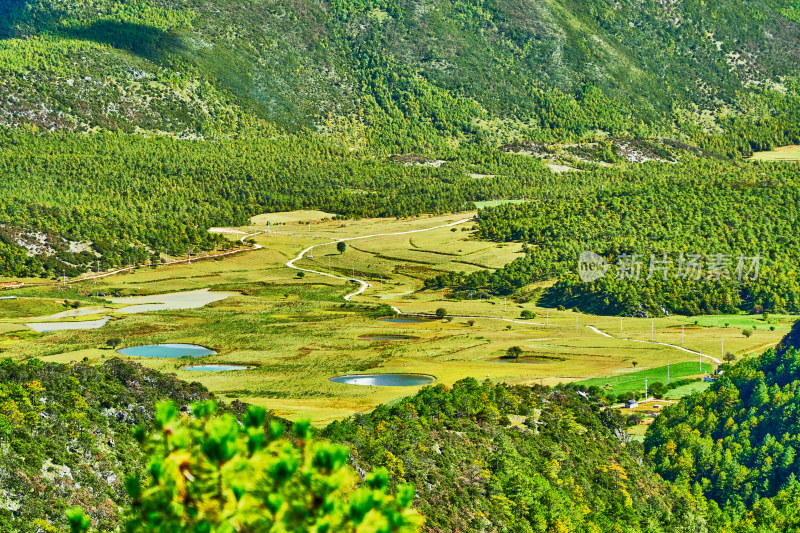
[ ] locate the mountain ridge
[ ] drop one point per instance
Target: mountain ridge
(463, 69)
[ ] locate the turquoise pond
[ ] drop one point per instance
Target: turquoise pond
(385, 380)
(167, 351)
(215, 368)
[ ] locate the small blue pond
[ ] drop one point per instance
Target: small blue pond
(167, 351)
(216, 368)
(385, 380)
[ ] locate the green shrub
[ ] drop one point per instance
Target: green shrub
(113, 342)
(209, 473)
(513, 353)
(658, 389)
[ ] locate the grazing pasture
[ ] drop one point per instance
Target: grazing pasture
(784, 153)
(294, 333)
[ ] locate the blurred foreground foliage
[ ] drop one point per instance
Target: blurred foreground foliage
(211, 473)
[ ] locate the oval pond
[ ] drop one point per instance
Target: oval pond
(167, 351)
(385, 380)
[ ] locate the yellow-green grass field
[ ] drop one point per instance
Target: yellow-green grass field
(784, 153)
(27, 307)
(685, 390)
(296, 333)
(633, 381)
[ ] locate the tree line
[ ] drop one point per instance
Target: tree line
(724, 212)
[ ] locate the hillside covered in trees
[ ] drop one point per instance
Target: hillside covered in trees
(398, 74)
(737, 442)
(717, 210)
(129, 128)
(488, 457)
(480, 456)
(118, 447)
(66, 438)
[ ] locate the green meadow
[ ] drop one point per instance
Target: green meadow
(784, 153)
(686, 390)
(633, 381)
(298, 332)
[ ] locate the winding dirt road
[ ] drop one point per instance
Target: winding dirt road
(604, 334)
(363, 284)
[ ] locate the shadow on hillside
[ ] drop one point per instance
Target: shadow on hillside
(142, 40)
(11, 14)
(17, 20)
(225, 66)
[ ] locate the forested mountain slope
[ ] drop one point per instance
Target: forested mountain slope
(66, 438)
(396, 74)
(738, 441)
(482, 456)
(284, 104)
(488, 457)
(135, 197)
(698, 206)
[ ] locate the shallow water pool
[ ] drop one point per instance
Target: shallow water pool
(385, 380)
(170, 302)
(167, 351)
(43, 327)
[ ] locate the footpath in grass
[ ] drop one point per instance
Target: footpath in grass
(634, 381)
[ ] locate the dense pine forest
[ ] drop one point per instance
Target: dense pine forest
(195, 113)
(132, 196)
(737, 442)
(704, 207)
